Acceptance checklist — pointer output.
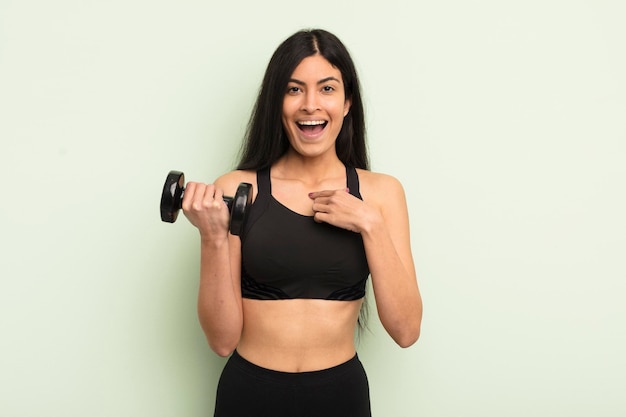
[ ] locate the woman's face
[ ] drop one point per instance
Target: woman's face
(314, 106)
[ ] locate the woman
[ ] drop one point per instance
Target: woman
(283, 299)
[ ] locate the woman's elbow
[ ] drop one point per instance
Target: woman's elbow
(222, 346)
(407, 333)
(222, 351)
(408, 338)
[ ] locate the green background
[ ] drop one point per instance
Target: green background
(505, 121)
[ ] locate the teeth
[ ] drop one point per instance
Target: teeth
(311, 122)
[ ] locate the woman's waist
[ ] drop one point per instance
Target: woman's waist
(295, 377)
(298, 335)
(295, 359)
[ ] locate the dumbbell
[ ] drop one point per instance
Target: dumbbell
(172, 201)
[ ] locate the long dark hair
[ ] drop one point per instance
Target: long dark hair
(265, 140)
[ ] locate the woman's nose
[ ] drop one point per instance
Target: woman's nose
(311, 102)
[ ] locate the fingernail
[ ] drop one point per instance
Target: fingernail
(347, 190)
(310, 194)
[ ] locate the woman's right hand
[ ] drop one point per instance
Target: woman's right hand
(204, 206)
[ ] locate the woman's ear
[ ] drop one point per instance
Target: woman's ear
(346, 107)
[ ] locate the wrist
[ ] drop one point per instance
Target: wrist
(212, 241)
(371, 224)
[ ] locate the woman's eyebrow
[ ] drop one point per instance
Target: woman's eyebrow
(322, 81)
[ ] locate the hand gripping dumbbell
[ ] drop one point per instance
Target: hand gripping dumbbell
(172, 201)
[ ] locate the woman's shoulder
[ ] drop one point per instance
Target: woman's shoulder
(378, 181)
(380, 188)
(231, 180)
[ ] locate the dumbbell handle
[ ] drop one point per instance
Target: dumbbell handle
(179, 201)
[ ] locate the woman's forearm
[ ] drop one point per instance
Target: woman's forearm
(398, 299)
(219, 299)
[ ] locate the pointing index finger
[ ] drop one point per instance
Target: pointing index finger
(325, 193)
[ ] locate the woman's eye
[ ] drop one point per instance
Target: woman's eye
(293, 90)
(328, 89)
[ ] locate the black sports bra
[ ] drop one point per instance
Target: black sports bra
(286, 255)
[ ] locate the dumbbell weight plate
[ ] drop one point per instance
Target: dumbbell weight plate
(172, 196)
(240, 204)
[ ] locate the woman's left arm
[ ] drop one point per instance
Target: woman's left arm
(386, 237)
(382, 220)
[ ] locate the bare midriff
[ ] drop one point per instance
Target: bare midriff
(298, 335)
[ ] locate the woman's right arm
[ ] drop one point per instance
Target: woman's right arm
(219, 296)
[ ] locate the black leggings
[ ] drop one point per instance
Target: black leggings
(247, 390)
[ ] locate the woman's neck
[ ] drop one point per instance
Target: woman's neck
(295, 166)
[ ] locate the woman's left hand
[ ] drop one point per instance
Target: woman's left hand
(342, 209)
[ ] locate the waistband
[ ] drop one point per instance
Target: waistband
(300, 378)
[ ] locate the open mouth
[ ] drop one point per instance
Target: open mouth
(312, 127)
